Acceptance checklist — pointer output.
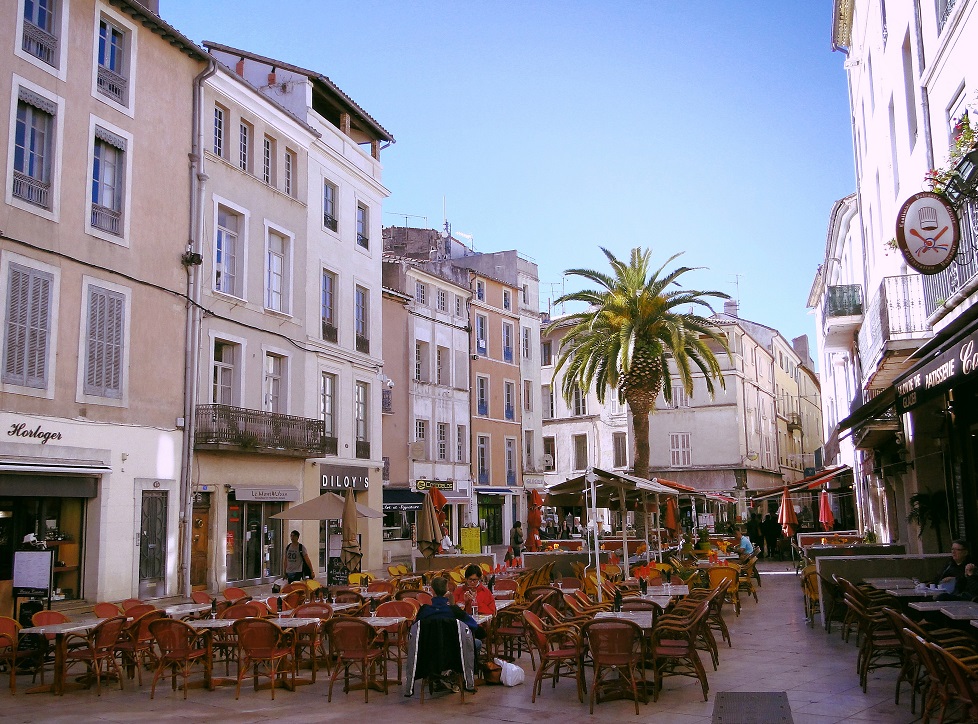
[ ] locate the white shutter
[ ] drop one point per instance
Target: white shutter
(28, 327)
(103, 356)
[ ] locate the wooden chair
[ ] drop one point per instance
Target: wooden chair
(812, 594)
(180, 649)
(614, 644)
(139, 610)
(362, 604)
(9, 632)
(135, 644)
(262, 642)
(879, 645)
(360, 579)
(962, 678)
(557, 648)
(358, 653)
(46, 618)
(99, 651)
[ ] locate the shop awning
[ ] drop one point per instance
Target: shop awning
(52, 467)
(947, 360)
(872, 410)
(809, 483)
(402, 499)
(456, 497)
(607, 485)
(54, 486)
(492, 490)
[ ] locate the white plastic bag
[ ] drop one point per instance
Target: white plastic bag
(512, 675)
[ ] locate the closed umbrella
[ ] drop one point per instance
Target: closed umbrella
(786, 515)
(671, 520)
(429, 530)
(534, 520)
(825, 516)
(350, 553)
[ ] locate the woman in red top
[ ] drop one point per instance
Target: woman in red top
(474, 591)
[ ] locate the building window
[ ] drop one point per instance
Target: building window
(289, 172)
(528, 462)
(482, 458)
(527, 395)
(40, 30)
(420, 293)
(679, 451)
(33, 149)
(619, 441)
(526, 343)
(458, 306)
(510, 461)
(361, 320)
(442, 362)
(547, 395)
(509, 399)
(224, 381)
(107, 182)
(329, 206)
(274, 374)
(27, 328)
(461, 440)
(546, 353)
(227, 253)
(104, 345)
(360, 402)
(277, 273)
(268, 161)
(442, 300)
(507, 299)
(909, 91)
(328, 306)
(507, 342)
(679, 397)
(244, 146)
(482, 395)
(363, 226)
(579, 399)
(580, 452)
(327, 404)
(421, 436)
(549, 454)
(481, 334)
(421, 356)
(219, 131)
(442, 441)
(526, 294)
(480, 290)
(112, 81)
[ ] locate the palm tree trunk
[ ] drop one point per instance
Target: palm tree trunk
(640, 409)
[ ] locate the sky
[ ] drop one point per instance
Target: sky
(719, 130)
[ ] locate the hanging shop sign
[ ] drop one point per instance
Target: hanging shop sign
(343, 477)
(928, 232)
(423, 485)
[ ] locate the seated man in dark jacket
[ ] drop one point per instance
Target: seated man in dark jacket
(441, 608)
(959, 572)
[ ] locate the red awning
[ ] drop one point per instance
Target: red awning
(809, 483)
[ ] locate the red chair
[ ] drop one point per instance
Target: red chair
(99, 651)
(9, 631)
(673, 648)
(557, 647)
(415, 593)
(398, 635)
(262, 642)
(139, 610)
(47, 618)
(200, 597)
(614, 644)
(362, 604)
(358, 653)
(235, 594)
(135, 645)
(130, 603)
(106, 610)
(505, 588)
(180, 647)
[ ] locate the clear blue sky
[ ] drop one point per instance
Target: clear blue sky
(718, 129)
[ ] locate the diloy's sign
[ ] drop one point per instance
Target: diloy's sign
(947, 369)
(343, 477)
(927, 232)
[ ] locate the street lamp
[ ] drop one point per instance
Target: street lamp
(963, 181)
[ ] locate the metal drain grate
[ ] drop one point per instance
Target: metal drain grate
(752, 707)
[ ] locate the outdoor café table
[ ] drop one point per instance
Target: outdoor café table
(186, 609)
(669, 589)
(340, 607)
(60, 631)
(959, 610)
(914, 592)
(925, 606)
(500, 605)
(883, 583)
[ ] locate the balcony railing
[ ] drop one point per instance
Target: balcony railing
(510, 412)
(106, 219)
(944, 9)
(510, 477)
(329, 222)
(794, 420)
(480, 347)
(897, 312)
(40, 43)
(483, 477)
(482, 408)
(363, 449)
(507, 354)
(227, 427)
(112, 84)
(845, 300)
(329, 332)
(31, 190)
(330, 445)
(363, 344)
(363, 241)
(940, 287)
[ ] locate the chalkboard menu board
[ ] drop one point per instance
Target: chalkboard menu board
(33, 573)
(336, 573)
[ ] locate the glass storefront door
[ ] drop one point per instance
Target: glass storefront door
(254, 541)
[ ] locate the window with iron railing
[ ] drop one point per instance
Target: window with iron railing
(40, 28)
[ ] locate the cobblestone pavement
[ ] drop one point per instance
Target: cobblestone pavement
(773, 650)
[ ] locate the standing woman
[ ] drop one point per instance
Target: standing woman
(516, 539)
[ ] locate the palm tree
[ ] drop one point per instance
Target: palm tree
(929, 507)
(631, 330)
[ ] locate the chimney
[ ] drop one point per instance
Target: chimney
(239, 68)
(730, 307)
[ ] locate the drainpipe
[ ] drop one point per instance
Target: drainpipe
(924, 98)
(198, 180)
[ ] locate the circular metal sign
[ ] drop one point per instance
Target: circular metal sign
(928, 232)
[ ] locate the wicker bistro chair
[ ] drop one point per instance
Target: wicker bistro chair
(615, 645)
(879, 645)
(45, 618)
(358, 653)
(262, 642)
(9, 632)
(180, 649)
(704, 639)
(557, 647)
(673, 649)
(135, 644)
(105, 609)
(311, 637)
(812, 594)
(224, 644)
(130, 603)
(200, 597)
(397, 636)
(415, 593)
(235, 594)
(937, 691)
(962, 671)
(100, 650)
(558, 618)
(505, 588)
(509, 633)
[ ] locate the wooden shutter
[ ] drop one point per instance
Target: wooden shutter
(103, 356)
(27, 331)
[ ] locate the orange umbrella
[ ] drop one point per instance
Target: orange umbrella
(534, 520)
(786, 514)
(671, 520)
(440, 501)
(825, 516)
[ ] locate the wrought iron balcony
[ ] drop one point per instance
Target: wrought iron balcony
(895, 323)
(31, 190)
(482, 408)
(956, 280)
(363, 344)
(329, 222)
(223, 427)
(483, 477)
(112, 85)
(842, 314)
(363, 241)
(107, 219)
(329, 332)
(794, 420)
(510, 477)
(510, 412)
(40, 43)
(363, 449)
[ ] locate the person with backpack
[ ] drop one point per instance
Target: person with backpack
(296, 560)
